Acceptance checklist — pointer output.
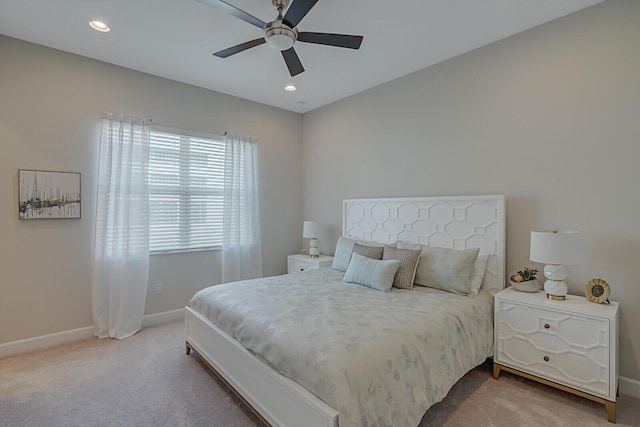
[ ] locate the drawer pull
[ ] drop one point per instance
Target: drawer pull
(546, 358)
(546, 326)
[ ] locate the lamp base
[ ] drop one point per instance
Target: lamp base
(556, 288)
(314, 251)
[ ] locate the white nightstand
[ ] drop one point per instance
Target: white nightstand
(571, 345)
(298, 263)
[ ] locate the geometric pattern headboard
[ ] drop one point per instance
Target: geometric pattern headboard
(458, 222)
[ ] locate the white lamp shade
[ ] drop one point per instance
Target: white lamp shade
(310, 230)
(555, 247)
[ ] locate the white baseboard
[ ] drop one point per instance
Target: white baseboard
(164, 317)
(629, 386)
(27, 345)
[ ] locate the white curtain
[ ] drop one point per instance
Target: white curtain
(121, 248)
(241, 242)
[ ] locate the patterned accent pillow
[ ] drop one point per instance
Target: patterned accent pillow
(408, 264)
(372, 273)
(373, 252)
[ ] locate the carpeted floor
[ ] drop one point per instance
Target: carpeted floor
(147, 380)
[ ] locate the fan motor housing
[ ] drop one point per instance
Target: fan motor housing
(279, 36)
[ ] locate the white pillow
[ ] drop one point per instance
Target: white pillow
(344, 248)
(444, 268)
(372, 273)
(478, 273)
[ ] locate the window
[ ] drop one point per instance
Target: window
(186, 180)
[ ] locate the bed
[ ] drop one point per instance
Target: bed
(309, 349)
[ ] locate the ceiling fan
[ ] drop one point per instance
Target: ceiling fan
(281, 34)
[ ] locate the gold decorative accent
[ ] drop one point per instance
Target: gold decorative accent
(597, 290)
(314, 256)
(546, 358)
(546, 326)
(556, 297)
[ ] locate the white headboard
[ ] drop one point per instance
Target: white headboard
(459, 222)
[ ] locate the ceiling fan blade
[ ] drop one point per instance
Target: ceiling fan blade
(338, 40)
(297, 10)
(293, 62)
(239, 48)
(234, 11)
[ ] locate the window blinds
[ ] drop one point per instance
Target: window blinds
(186, 181)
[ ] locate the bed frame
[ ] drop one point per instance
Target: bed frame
(459, 222)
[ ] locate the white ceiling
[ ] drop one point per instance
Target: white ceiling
(176, 38)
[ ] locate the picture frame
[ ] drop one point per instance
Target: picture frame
(49, 194)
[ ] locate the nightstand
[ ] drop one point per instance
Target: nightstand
(298, 263)
(571, 345)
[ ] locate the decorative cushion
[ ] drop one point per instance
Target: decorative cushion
(444, 268)
(372, 273)
(373, 252)
(478, 272)
(408, 263)
(344, 248)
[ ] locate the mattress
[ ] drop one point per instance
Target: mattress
(379, 358)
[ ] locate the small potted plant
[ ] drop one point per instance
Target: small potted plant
(525, 280)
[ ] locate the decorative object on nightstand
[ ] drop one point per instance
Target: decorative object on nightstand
(525, 280)
(556, 249)
(570, 345)
(597, 290)
(300, 263)
(311, 230)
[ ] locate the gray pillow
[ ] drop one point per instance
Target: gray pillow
(444, 268)
(373, 252)
(408, 263)
(372, 273)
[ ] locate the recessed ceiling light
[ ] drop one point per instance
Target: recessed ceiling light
(290, 88)
(100, 26)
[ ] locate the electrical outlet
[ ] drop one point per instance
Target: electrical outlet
(159, 288)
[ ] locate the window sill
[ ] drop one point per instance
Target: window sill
(183, 251)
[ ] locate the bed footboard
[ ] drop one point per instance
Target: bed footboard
(276, 399)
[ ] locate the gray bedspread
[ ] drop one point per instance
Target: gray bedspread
(379, 358)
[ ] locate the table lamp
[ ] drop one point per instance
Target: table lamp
(556, 249)
(311, 230)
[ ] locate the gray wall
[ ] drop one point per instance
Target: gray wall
(550, 118)
(50, 109)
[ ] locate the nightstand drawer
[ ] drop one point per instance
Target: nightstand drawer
(566, 347)
(296, 266)
(301, 263)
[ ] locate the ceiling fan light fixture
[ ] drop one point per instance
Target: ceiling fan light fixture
(280, 38)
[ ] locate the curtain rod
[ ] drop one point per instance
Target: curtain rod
(110, 116)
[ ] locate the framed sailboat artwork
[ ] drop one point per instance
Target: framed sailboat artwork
(48, 194)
